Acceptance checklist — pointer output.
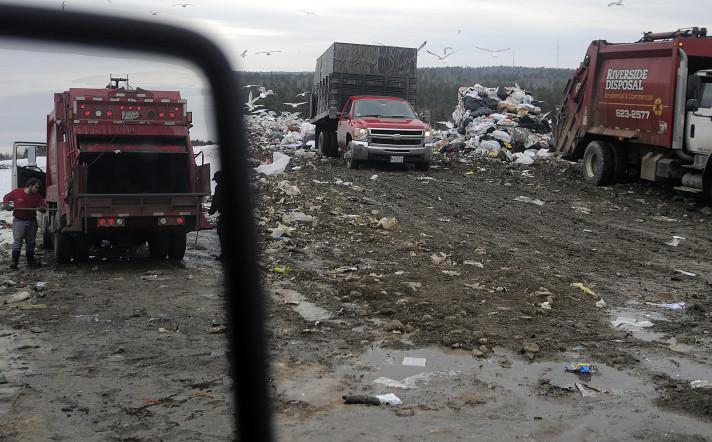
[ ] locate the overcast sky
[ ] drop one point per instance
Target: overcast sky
(545, 33)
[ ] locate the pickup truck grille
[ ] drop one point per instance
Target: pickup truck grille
(396, 137)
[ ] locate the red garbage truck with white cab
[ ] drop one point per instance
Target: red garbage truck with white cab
(362, 105)
(120, 169)
(642, 110)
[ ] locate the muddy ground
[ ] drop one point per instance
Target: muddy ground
(449, 289)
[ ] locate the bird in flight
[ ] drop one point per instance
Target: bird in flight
(250, 105)
(494, 53)
(307, 12)
(264, 92)
(421, 46)
(243, 53)
(183, 5)
(303, 94)
(63, 5)
(266, 52)
(154, 12)
(295, 105)
(445, 55)
(449, 124)
(616, 3)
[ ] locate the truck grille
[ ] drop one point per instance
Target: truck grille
(396, 137)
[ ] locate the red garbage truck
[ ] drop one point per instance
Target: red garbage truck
(120, 169)
(362, 106)
(642, 110)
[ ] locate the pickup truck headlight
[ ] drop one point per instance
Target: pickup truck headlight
(428, 137)
(360, 134)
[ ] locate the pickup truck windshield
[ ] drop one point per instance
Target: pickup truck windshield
(383, 109)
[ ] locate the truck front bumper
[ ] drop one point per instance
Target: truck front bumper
(362, 151)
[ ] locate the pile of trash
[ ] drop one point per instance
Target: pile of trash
(284, 129)
(501, 122)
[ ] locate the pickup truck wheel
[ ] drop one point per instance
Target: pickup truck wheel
(351, 163)
(176, 250)
(81, 248)
(158, 245)
(62, 248)
(422, 166)
(598, 163)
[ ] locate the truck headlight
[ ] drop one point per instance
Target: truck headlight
(360, 134)
(428, 137)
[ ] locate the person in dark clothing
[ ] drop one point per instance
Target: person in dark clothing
(26, 201)
(217, 206)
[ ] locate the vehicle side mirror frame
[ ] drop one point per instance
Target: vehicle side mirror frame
(692, 105)
(333, 113)
(425, 116)
(248, 356)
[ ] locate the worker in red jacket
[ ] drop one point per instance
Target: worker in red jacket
(26, 201)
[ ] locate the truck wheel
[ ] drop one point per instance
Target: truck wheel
(62, 248)
(324, 143)
(158, 245)
(707, 182)
(351, 163)
(176, 250)
(81, 248)
(422, 166)
(46, 237)
(598, 163)
(620, 164)
(333, 145)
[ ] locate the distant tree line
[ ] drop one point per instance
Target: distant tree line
(437, 87)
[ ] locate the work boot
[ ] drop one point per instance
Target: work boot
(31, 261)
(15, 259)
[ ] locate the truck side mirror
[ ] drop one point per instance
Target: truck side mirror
(426, 116)
(333, 113)
(694, 83)
(692, 105)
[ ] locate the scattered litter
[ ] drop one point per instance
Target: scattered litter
(674, 306)
(287, 188)
(19, 296)
(390, 383)
(627, 323)
(675, 241)
(580, 367)
(601, 303)
(586, 290)
(297, 217)
(685, 273)
(284, 270)
(389, 399)
(387, 223)
(40, 286)
(587, 390)
(526, 199)
(361, 399)
(700, 384)
(416, 362)
(276, 166)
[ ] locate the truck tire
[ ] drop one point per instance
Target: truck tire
(598, 163)
(333, 144)
(62, 248)
(351, 163)
(81, 248)
(707, 182)
(422, 166)
(158, 245)
(620, 164)
(176, 249)
(324, 143)
(46, 237)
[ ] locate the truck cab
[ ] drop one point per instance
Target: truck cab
(383, 129)
(698, 131)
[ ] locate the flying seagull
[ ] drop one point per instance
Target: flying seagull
(243, 53)
(307, 12)
(264, 93)
(266, 52)
(183, 5)
(421, 46)
(251, 102)
(617, 3)
(250, 85)
(494, 53)
(303, 94)
(295, 105)
(154, 12)
(449, 124)
(442, 58)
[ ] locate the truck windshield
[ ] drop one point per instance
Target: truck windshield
(706, 101)
(383, 109)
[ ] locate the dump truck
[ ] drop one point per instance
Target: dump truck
(120, 171)
(362, 105)
(642, 110)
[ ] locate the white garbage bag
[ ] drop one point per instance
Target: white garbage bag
(279, 163)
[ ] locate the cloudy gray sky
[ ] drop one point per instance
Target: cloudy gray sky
(545, 33)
